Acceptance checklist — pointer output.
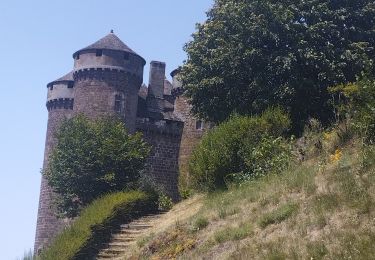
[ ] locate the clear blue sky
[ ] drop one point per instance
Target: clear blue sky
(37, 41)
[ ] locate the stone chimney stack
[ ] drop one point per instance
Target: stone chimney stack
(155, 98)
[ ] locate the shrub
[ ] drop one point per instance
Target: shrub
(243, 147)
(200, 223)
(85, 236)
(164, 202)
(356, 102)
(93, 158)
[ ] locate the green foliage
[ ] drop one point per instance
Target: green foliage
(95, 223)
(200, 223)
(356, 103)
(92, 158)
(233, 233)
(164, 202)
(280, 214)
(249, 55)
(240, 149)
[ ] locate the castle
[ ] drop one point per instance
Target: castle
(107, 80)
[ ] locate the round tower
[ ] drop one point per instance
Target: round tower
(60, 106)
(107, 76)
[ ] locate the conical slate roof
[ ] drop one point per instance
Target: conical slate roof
(109, 42)
(67, 77)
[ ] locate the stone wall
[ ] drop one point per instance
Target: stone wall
(162, 164)
(191, 136)
(48, 225)
(96, 92)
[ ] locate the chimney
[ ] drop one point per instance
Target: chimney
(155, 97)
(156, 81)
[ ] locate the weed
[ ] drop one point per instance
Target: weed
(200, 223)
(278, 215)
(300, 179)
(171, 244)
(353, 192)
(144, 240)
(233, 233)
(316, 250)
(359, 245)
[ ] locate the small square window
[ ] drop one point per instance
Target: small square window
(99, 53)
(199, 125)
(70, 85)
(118, 105)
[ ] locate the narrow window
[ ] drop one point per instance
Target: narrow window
(77, 57)
(118, 106)
(199, 125)
(99, 53)
(126, 56)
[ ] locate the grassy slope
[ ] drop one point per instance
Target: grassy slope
(100, 215)
(314, 210)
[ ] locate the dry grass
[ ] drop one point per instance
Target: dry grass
(321, 209)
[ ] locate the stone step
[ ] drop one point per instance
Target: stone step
(127, 236)
(114, 251)
(131, 224)
(104, 256)
(123, 239)
(129, 231)
(138, 226)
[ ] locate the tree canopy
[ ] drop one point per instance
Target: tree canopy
(93, 158)
(251, 54)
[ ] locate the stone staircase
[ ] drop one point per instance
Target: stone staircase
(128, 235)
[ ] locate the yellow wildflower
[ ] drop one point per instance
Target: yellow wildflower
(336, 156)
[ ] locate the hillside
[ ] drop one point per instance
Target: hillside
(321, 208)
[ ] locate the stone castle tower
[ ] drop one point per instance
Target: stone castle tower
(107, 80)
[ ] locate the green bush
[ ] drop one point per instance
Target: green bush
(241, 148)
(85, 236)
(93, 158)
(164, 202)
(356, 103)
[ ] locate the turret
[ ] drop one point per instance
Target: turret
(176, 82)
(60, 107)
(108, 75)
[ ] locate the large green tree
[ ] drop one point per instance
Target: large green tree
(93, 158)
(250, 54)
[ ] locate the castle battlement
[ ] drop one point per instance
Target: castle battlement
(61, 103)
(163, 127)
